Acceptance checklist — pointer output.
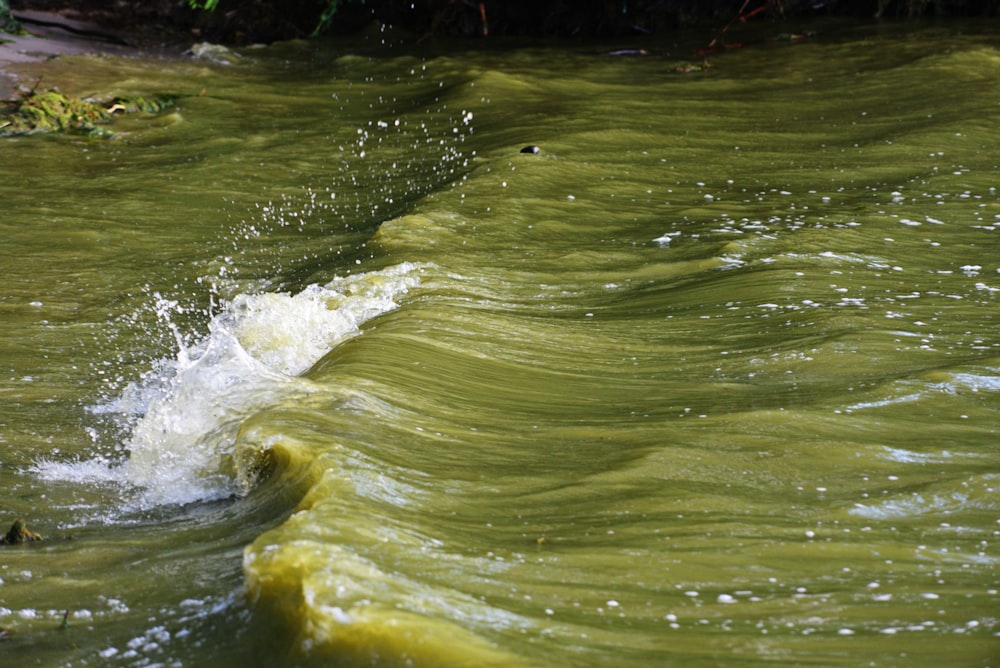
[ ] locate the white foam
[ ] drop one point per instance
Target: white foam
(181, 446)
(976, 382)
(96, 470)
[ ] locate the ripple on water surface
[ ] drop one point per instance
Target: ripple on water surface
(710, 379)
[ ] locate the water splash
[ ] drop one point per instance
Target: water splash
(187, 414)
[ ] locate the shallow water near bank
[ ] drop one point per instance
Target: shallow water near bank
(318, 368)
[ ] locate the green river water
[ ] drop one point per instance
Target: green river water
(318, 369)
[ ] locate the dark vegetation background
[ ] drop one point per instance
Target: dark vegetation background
(248, 21)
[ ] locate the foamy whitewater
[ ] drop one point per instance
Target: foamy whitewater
(181, 448)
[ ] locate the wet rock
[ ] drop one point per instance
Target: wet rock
(19, 533)
(216, 53)
(531, 149)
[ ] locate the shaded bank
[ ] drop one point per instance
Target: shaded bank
(249, 21)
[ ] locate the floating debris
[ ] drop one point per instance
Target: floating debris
(794, 37)
(628, 52)
(687, 68)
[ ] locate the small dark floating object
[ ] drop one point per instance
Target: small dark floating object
(531, 149)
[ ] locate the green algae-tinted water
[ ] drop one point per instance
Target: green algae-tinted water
(319, 369)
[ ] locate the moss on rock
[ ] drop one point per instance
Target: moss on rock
(149, 105)
(52, 111)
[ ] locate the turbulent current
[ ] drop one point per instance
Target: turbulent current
(319, 368)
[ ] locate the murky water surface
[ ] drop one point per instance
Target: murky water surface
(319, 369)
